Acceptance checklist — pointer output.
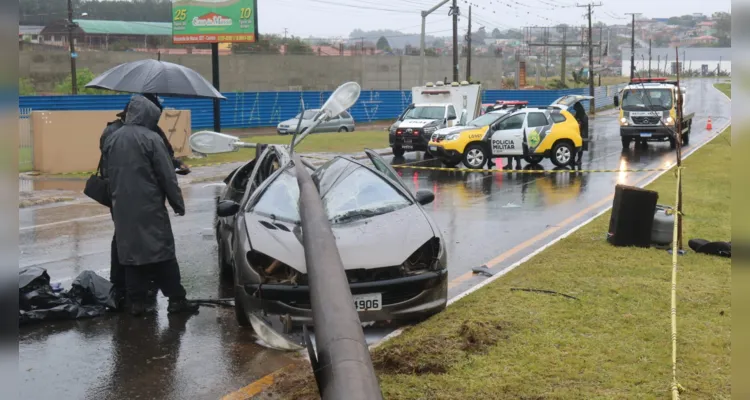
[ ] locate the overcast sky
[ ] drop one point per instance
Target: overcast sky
(333, 18)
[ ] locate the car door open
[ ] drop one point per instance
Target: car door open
(507, 139)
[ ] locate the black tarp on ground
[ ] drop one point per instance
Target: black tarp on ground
(89, 297)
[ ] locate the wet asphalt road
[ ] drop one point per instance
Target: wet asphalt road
(492, 219)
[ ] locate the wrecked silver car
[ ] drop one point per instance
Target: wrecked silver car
(392, 251)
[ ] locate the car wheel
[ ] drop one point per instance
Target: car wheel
(672, 143)
(474, 156)
(398, 151)
(562, 154)
(643, 144)
(533, 159)
(343, 129)
(686, 139)
(240, 314)
(625, 143)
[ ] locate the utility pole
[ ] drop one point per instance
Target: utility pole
(649, 58)
(468, 52)
(601, 62)
(454, 12)
(592, 105)
(73, 55)
(632, 47)
(563, 61)
(658, 65)
(563, 45)
(422, 39)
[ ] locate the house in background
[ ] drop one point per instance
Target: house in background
(101, 35)
(29, 33)
(706, 28)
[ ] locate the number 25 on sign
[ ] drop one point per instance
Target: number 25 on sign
(180, 14)
(246, 12)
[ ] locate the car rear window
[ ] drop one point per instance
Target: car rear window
(557, 118)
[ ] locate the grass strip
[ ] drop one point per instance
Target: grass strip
(725, 88)
(335, 142)
(613, 342)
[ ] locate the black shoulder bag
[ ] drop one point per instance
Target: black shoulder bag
(97, 187)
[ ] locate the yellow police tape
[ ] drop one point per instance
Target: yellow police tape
(524, 171)
(406, 166)
(675, 234)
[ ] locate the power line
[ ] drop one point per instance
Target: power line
(511, 6)
(361, 7)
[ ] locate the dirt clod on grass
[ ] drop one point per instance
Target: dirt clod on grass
(434, 354)
(478, 336)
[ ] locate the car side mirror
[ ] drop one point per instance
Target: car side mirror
(452, 117)
(617, 101)
(425, 197)
(227, 208)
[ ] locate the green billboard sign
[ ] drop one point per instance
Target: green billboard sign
(214, 21)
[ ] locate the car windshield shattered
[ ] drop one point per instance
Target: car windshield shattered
(360, 194)
(431, 112)
(647, 100)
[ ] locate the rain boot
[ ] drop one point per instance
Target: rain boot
(182, 305)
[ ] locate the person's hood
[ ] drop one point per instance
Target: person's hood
(142, 112)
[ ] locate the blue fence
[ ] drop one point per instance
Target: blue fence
(261, 109)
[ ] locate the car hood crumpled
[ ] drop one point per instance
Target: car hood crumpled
(382, 241)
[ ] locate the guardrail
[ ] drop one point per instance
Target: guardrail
(266, 109)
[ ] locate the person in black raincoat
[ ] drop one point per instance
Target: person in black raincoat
(116, 272)
(583, 123)
(141, 177)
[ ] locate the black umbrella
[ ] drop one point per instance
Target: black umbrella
(156, 77)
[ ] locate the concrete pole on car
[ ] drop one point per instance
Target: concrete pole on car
(343, 367)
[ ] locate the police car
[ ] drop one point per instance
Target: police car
(533, 133)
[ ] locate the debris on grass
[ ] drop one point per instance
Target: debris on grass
(436, 353)
(543, 291)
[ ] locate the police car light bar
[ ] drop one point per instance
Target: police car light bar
(652, 80)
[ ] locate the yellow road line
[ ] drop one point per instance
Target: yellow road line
(256, 387)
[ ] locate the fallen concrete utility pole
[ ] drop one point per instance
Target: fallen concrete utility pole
(342, 366)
